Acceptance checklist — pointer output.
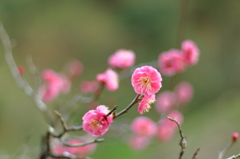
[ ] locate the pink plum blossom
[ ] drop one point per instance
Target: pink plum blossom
(122, 59)
(143, 126)
(59, 150)
(146, 80)
(165, 102)
(109, 78)
(184, 92)
(144, 104)
(81, 151)
(54, 85)
(95, 122)
(138, 142)
(75, 68)
(89, 86)
(190, 52)
(171, 62)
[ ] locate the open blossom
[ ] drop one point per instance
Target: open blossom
(165, 102)
(95, 122)
(143, 126)
(89, 86)
(81, 151)
(171, 62)
(184, 92)
(110, 78)
(75, 68)
(122, 59)
(138, 142)
(146, 80)
(144, 104)
(190, 52)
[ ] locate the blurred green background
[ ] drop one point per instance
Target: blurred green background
(53, 32)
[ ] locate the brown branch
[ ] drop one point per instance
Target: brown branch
(183, 141)
(112, 112)
(196, 153)
(135, 100)
(82, 144)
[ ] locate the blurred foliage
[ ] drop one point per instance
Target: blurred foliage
(54, 32)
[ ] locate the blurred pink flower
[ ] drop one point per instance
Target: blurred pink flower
(184, 92)
(190, 52)
(95, 121)
(122, 59)
(143, 126)
(54, 84)
(171, 62)
(165, 131)
(89, 86)
(165, 102)
(144, 104)
(167, 128)
(81, 151)
(75, 68)
(146, 80)
(138, 142)
(110, 78)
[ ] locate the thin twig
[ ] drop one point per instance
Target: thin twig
(223, 152)
(13, 68)
(111, 112)
(34, 71)
(234, 157)
(183, 141)
(196, 153)
(135, 100)
(82, 144)
(65, 127)
(59, 156)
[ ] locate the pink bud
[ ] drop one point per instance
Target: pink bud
(143, 126)
(235, 137)
(21, 70)
(144, 105)
(184, 92)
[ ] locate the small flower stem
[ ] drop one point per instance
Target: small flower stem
(234, 157)
(223, 152)
(111, 112)
(82, 144)
(196, 153)
(183, 142)
(135, 100)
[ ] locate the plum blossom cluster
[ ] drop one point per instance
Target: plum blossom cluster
(176, 61)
